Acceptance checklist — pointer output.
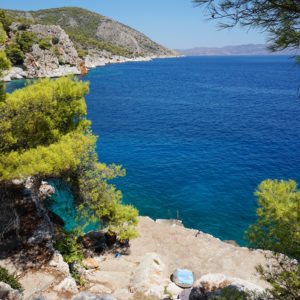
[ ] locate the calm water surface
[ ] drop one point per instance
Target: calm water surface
(197, 135)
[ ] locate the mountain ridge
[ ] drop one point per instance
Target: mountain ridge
(81, 24)
(243, 49)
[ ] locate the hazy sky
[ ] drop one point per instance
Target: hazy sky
(173, 23)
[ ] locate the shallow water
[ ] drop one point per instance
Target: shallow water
(197, 135)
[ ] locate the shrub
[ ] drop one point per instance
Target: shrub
(23, 27)
(9, 279)
(14, 54)
(25, 40)
(45, 44)
(55, 40)
(67, 245)
(2, 34)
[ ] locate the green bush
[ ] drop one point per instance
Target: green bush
(67, 245)
(5, 20)
(25, 40)
(9, 279)
(14, 54)
(72, 253)
(45, 44)
(23, 27)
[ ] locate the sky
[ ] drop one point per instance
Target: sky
(177, 24)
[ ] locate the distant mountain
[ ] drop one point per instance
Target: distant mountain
(250, 49)
(89, 30)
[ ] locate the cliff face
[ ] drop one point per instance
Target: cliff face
(59, 58)
(91, 31)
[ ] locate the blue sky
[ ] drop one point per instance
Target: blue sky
(173, 23)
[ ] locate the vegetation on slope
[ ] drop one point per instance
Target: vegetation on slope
(82, 34)
(90, 30)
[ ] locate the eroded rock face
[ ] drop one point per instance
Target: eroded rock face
(25, 229)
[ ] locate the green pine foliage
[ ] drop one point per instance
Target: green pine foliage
(15, 54)
(4, 63)
(3, 35)
(44, 132)
(26, 39)
(278, 225)
(278, 229)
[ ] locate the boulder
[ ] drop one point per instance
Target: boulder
(59, 264)
(67, 285)
(8, 293)
(90, 263)
(211, 286)
(148, 277)
(45, 190)
(211, 282)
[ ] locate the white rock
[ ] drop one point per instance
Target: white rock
(67, 285)
(148, 276)
(174, 289)
(99, 289)
(58, 262)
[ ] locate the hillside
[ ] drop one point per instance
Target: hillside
(250, 49)
(91, 31)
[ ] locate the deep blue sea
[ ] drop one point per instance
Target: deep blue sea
(198, 134)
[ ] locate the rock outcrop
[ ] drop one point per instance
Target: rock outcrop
(25, 229)
(59, 60)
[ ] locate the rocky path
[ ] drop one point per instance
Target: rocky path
(159, 250)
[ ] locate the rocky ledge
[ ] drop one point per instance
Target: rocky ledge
(160, 249)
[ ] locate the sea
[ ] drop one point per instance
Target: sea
(197, 135)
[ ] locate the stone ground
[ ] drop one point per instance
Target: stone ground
(160, 249)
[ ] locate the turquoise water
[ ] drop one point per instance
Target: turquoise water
(197, 135)
(62, 203)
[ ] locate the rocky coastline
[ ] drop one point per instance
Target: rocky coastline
(91, 62)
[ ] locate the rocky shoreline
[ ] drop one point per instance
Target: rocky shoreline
(90, 63)
(144, 268)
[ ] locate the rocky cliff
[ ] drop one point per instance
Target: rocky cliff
(57, 58)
